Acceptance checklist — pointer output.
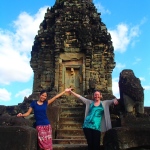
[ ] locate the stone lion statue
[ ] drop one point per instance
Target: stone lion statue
(131, 92)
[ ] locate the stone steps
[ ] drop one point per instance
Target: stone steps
(72, 104)
(69, 129)
(69, 141)
(71, 120)
(71, 137)
(69, 132)
(72, 109)
(72, 147)
(71, 114)
(70, 125)
(69, 146)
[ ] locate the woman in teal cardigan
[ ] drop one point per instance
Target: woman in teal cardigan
(97, 118)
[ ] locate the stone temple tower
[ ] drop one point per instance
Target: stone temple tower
(72, 49)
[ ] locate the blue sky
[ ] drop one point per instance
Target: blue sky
(128, 22)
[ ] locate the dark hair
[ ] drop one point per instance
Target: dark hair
(43, 91)
(97, 91)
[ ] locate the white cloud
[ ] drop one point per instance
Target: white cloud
(24, 93)
(123, 35)
(26, 28)
(120, 66)
(115, 87)
(4, 95)
(146, 87)
(101, 8)
(142, 79)
(15, 47)
(137, 60)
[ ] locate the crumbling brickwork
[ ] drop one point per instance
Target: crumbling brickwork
(72, 35)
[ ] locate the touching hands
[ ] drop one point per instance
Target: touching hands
(68, 90)
(20, 115)
(116, 102)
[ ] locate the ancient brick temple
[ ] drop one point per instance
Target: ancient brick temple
(72, 49)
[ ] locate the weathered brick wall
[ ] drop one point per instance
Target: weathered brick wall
(72, 27)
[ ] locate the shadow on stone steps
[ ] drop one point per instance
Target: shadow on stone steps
(71, 147)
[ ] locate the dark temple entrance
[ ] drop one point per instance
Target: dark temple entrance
(73, 78)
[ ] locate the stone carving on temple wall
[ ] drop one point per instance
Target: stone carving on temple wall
(92, 85)
(71, 72)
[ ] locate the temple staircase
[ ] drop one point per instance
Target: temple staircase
(69, 134)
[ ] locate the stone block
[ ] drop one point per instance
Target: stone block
(53, 115)
(18, 138)
(8, 120)
(123, 138)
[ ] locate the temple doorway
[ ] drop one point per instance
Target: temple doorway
(73, 78)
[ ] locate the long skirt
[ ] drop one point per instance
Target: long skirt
(45, 137)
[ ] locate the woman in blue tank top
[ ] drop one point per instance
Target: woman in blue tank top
(43, 126)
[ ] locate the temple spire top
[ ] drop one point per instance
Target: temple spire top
(80, 0)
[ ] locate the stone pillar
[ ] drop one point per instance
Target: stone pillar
(56, 71)
(60, 84)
